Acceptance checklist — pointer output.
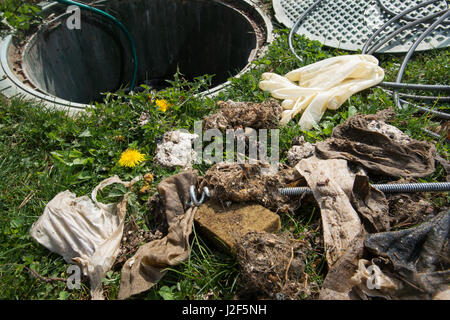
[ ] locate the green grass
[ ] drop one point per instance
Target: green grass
(43, 152)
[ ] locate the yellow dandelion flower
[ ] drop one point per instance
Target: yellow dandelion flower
(162, 104)
(148, 177)
(145, 188)
(131, 158)
(119, 138)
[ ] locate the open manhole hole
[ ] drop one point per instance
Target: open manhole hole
(73, 67)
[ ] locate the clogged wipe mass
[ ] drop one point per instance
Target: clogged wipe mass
(323, 85)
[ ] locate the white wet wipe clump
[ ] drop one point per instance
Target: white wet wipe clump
(176, 149)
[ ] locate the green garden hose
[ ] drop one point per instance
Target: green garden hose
(116, 21)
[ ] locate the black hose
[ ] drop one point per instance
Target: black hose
(435, 113)
(417, 97)
(392, 13)
(399, 85)
(414, 86)
(407, 26)
(397, 17)
(432, 112)
(378, 44)
(297, 24)
(411, 51)
(434, 135)
(426, 98)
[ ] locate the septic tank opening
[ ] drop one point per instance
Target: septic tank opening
(196, 36)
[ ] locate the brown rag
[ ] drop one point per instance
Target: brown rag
(371, 204)
(331, 182)
(378, 152)
(145, 268)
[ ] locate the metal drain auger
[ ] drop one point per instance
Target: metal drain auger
(388, 188)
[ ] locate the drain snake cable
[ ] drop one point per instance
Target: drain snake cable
(397, 84)
(117, 22)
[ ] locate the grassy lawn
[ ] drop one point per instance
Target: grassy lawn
(44, 152)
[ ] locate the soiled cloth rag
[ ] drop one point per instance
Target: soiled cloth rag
(331, 183)
(343, 200)
(323, 85)
(417, 264)
(84, 231)
(380, 148)
(145, 268)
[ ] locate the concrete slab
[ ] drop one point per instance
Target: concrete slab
(225, 226)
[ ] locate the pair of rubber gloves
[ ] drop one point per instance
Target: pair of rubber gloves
(323, 85)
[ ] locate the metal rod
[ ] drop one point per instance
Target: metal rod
(388, 188)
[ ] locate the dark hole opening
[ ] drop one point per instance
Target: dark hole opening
(197, 36)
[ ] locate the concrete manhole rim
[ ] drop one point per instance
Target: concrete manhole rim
(11, 85)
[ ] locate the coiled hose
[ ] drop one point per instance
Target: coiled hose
(400, 30)
(396, 17)
(392, 13)
(378, 44)
(297, 24)
(432, 112)
(116, 21)
(411, 51)
(397, 84)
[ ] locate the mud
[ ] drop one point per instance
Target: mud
(273, 266)
(300, 150)
(408, 209)
(240, 115)
(133, 237)
(234, 182)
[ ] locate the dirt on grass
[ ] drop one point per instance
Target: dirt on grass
(273, 266)
(409, 209)
(133, 237)
(240, 115)
(234, 182)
